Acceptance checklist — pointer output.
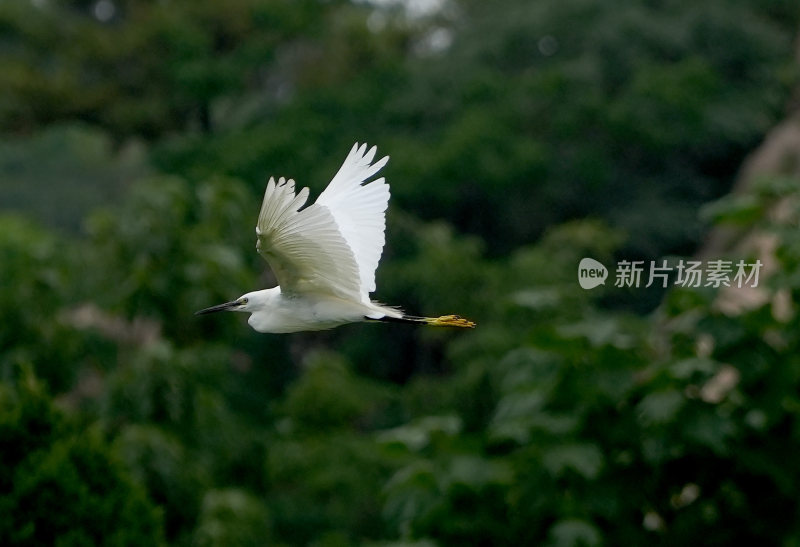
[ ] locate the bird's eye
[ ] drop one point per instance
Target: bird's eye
(243, 300)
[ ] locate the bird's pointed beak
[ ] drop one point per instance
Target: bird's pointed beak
(227, 306)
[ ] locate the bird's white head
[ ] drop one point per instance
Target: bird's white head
(250, 302)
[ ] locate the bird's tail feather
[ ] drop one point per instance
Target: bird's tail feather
(441, 321)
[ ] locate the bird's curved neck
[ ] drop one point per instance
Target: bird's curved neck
(264, 297)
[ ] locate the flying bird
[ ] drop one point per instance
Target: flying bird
(324, 256)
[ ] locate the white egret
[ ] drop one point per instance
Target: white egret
(325, 255)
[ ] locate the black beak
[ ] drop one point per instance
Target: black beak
(227, 306)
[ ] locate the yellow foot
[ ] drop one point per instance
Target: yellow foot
(450, 321)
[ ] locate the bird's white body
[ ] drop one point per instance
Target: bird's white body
(324, 255)
(275, 312)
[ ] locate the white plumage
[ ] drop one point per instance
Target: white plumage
(325, 255)
(359, 210)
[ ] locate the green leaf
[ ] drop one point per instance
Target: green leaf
(574, 532)
(584, 458)
(659, 407)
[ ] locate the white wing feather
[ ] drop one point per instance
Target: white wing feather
(334, 245)
(359, 209)
(305, 248)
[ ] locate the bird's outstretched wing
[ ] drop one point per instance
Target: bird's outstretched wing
(359, 208)
(305, 248)
(334, 245)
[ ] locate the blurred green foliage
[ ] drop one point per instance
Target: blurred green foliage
(61, 485)
(137, 137)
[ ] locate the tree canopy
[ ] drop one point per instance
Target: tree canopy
(136, 138)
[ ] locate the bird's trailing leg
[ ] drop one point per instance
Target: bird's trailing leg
(441, 321)
(449, 321)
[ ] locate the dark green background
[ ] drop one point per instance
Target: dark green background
(136, 138)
